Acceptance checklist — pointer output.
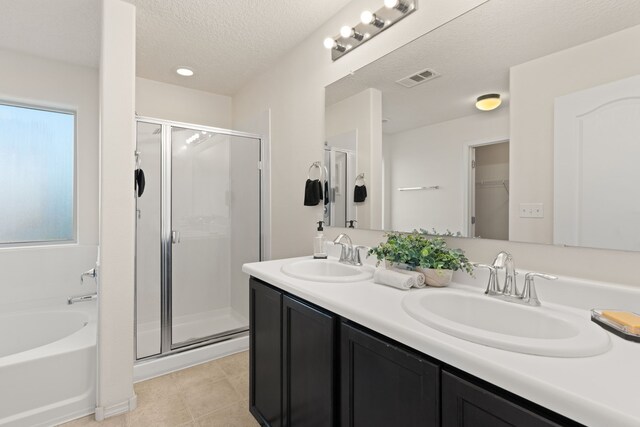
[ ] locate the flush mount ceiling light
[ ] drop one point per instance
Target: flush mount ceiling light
(184, 71)
(371, 24)
(488, 102)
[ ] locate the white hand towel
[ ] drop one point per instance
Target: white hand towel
(393, 278)
(419, 276)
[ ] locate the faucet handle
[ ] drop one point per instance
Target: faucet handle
(529, 294)
(356, 254)
(492, 285)
(89, 273)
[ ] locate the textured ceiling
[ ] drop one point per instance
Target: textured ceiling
(225, 42)
(474, 52)
(65, 30)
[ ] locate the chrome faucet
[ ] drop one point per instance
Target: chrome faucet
(82, 298)
(349, 254)
(504, 261)
(89, 273)
(346, 255)
(509, 292)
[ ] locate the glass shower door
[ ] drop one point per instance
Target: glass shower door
(215, 228)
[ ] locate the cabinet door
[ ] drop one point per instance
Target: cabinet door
(465, 404)
(265, 353)
(384, 385)
(309, 386)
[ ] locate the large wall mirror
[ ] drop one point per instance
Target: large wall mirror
(556, 159)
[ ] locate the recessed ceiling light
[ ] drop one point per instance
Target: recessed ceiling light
(488, 102)
(185, 72)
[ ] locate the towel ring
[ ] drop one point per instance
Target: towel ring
(360, 178)
(315, 165)
(138, 160)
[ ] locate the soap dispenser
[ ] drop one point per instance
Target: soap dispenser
(318, 243)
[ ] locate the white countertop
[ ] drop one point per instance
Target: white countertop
(599, 391)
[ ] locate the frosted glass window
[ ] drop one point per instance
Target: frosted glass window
(36, 175)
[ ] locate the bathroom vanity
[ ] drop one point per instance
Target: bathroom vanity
(348, 354)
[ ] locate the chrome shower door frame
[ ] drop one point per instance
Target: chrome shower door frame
(166, 316)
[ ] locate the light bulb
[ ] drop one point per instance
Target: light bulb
(369, 18)
(329, 43)
(396, 4)
(346, 32)
(366, 17)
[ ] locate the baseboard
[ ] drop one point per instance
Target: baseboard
(148, 369)
(129, 405)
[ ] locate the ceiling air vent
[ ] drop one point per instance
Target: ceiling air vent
(418, 78)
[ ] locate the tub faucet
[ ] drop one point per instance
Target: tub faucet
(82, 298)
(89, 273)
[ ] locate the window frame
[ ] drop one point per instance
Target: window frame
(74, 240)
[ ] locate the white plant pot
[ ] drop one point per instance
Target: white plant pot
(434, 277)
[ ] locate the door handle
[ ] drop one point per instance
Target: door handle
(175, 237)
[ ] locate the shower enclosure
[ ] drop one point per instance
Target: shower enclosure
(198, 220)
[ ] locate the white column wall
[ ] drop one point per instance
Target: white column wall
(117, 209)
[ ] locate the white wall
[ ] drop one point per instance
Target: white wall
(53, 271)
(294, 92)
(434, 155)
(534, 86)
(293, 89)
(117, 217)
(170, 102)
(362, 112)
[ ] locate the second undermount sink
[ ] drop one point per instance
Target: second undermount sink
(485, 320)
(325, 270)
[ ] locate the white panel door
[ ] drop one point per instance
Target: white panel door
(597, 178)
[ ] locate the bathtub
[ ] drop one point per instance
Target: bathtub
(47, 364)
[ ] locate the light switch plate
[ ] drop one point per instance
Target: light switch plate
(531, 210)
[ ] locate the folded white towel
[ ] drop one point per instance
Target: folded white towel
(393, 278)
(420, 279)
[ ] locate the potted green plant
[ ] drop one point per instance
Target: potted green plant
(430, 256)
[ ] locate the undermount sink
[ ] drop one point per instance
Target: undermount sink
(505, 325)
(325, 270)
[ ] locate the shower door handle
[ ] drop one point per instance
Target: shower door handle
(175, 236)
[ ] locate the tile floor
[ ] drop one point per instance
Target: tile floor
(213, 394)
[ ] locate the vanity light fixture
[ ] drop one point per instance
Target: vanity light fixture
(371, 24)
(488, 102)
(369, 18)
(185, 72)
(350, 32)
(396, 4)
(332, 44)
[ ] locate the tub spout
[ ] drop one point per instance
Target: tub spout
(82, 298)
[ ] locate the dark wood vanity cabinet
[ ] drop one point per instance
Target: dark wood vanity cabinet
(293, 361)
(310, 367)
(265, 354)
(465, 404)
(383, 385)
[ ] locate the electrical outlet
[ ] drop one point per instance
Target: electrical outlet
(531, 210)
